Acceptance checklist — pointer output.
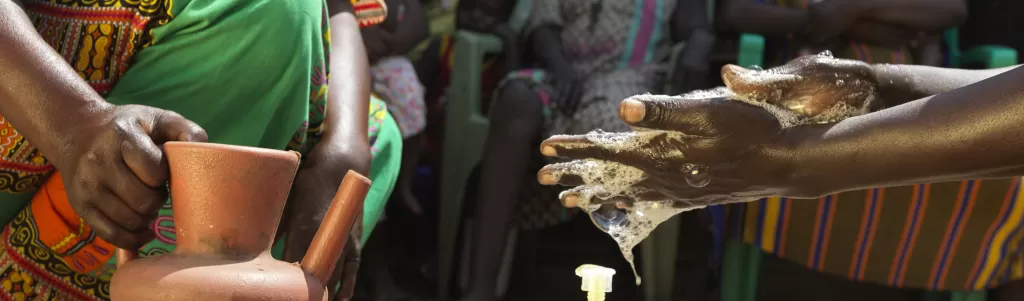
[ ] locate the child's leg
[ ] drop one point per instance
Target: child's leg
(396, 80)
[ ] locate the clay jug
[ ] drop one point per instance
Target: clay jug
(227, 202)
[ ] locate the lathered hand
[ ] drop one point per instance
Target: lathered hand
(819, 88)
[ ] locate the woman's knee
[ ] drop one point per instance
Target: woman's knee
(516, 105)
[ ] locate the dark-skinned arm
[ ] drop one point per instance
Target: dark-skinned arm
(348, 100)
(899, 84)
(413, 29)
(754, 17)
(39, 92)
(924, 15)
(969, 133)
(545, 42)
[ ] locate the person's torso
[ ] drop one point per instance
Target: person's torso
(603, 36)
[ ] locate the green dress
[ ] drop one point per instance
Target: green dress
(250, 72)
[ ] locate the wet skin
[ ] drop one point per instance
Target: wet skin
(749, 155)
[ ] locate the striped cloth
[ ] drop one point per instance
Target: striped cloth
(943, 236)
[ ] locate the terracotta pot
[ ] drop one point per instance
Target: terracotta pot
(227, 203)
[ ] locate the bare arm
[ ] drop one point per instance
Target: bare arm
(904, 83)
(349, 86)
(39, 92)
(968, 133)
(925, 15)
(751, 16)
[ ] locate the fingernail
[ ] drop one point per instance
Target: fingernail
(548, 150)
(546, 178)
(632, 110)
(571, 201)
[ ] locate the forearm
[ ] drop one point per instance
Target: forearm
(547, 46)
(880, 34)
(349, 85)
(750, 16)
(971, 132)
(40, 93)
(925, 15)
(899, 84)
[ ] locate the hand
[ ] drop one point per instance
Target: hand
(115, 172)
(348, 268)
(740, 148)
(829, 19)
(820, 87)
(568, 89)
(315, 186)
(378, 42)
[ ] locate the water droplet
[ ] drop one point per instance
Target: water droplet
(825, 53)
(608, 217)
(697, 175)
(756, 67)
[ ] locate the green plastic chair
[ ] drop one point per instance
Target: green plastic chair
(466, 129)
(740, 270)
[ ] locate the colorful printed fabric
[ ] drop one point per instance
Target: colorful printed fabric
(395, 80)
(171, 56)
(944, 236)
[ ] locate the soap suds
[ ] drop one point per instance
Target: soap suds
(609, 181)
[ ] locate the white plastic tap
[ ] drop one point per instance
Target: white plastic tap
(597, 280)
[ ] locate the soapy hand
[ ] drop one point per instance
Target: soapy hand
(695, 151)
(706, 148)
(819, 88)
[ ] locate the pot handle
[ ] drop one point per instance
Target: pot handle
(124, 256)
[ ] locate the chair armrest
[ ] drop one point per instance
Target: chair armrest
(989, 56)
(469, 52)
(751, 50)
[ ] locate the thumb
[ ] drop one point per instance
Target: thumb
(757, 85)
(171, 126)
(697, 114)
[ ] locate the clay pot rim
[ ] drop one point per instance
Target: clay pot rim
(219, 147)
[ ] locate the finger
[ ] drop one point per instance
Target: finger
(589, 172)
(629, 197)
(756, 84)
(170, 126)
(120, 212)
(143, 159)
(106, 229)
(142, 198)
(350, 268)
(697, 114)
(647, 149)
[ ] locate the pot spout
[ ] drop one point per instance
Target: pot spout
(330, 239)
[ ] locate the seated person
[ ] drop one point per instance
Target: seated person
(112, 80)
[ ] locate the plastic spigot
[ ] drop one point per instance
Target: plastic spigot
(597, 280)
